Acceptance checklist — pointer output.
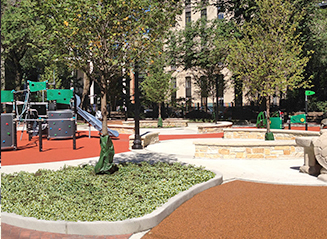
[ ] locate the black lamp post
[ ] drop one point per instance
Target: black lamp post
(137, 144)
(217, 99)
(0, 81)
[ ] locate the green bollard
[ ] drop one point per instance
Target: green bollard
(269, 136)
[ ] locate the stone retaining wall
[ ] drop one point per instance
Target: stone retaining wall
(146, 139)
(217, 128)
(232, 149)
(241, 133)
(154, 123)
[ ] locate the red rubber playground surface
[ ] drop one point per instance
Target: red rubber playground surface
(60, 150)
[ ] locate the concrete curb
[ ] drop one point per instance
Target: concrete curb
(112, 228)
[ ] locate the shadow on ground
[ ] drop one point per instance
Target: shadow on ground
(139, 157)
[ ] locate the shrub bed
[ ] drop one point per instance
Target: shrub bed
(78, 194)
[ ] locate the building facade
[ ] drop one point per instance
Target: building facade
(185, 79)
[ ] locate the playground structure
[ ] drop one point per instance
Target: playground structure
(297, 119)
(43, 118)
(276, 120)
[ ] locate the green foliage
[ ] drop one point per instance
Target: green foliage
(241, 9)
(315, 105)
(25, 56)
(157, 85)
(316, 32)
(18, 22)
(202, 47)
(77, 194)
(268, 58)
(109, 34)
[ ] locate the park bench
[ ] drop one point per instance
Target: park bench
(117, 115)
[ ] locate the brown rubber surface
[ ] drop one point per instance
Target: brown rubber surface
(248, 210)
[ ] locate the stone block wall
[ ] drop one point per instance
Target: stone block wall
(207, 129)
(154, 123)
(147, 139)
(247, 150)
(238, 133)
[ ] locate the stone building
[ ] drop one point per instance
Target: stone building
(185, 80)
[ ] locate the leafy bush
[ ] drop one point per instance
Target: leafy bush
(320, 106)
(76, 193)
(198, 114)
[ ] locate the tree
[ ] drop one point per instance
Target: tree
(24, 56)
(110, 34)
(238, 10)
(317, 38)
(17, 26)
(269, 55)
(157, 85)
(203, 47)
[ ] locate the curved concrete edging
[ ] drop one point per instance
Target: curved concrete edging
(112, 228)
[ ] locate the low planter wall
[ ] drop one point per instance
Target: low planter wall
(154, 123)
(245, 149)
(246, 133)
(216, 128)
(146, 139)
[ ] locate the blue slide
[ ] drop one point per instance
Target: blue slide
(97, 124)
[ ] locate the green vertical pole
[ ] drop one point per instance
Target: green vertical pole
(306, 112)
(40, 135)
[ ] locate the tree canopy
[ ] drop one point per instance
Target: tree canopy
(18, 23)
(269, 56)
(25, 57)
(202, 47)
(110, 34)
(157, 85)
(317, 38)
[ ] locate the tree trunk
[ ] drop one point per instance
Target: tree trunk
(104, 105)
(18, 74)
(18, 79)
(159, 111)
(268, 113)
(86, 88)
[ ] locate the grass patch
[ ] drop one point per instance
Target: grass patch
(77, 194)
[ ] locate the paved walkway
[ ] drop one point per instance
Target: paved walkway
(283, 172)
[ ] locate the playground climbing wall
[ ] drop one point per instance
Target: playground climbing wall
(61, 124)
(7, 131)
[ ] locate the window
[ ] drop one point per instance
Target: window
(174, 94)
(220, 15)
(187, 17)
(187, 2)
(188, 87)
